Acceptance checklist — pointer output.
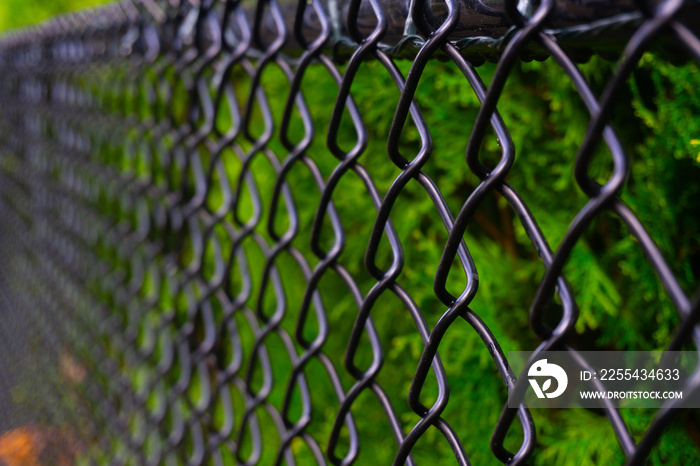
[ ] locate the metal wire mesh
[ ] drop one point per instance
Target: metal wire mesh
(152, 268)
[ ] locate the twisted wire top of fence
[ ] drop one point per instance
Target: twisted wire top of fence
(481, 32)
(187, 213)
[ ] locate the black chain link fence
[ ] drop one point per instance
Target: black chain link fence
(166, 300)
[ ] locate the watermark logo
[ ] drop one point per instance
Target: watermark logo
(585, 379)
(544, 369)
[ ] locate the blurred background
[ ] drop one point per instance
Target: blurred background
(18, 13)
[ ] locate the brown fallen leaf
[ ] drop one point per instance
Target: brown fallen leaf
(70, 368)
(19, 447)
(33, 446)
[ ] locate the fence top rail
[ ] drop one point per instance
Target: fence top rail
(584, 27)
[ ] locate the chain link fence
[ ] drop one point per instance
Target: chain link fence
(205, 263)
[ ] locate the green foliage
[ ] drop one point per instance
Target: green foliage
(621, 302)
(18, 13)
